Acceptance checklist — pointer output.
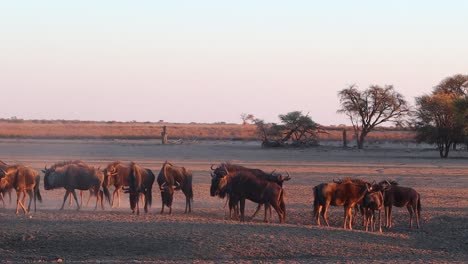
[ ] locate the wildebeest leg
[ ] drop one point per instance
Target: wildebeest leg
(279, 211)
(31, 194)
(138, 203)
(242, 209)
(81, 198)
(317, 214)
(366, 219)
(3, 200)
(380, 220)
(76, 200)
(89, 198)
(410, 211)
(348, 217)
(373, 220)
(18, 201)
(389, 217)
(256, 211)
(325, 213)
(67, 193)
(188, 206)
(113, 196)
(101, 193)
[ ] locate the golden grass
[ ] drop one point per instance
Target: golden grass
(135, 130)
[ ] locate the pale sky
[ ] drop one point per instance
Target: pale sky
(210, 61)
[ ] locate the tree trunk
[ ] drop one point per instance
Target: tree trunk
(360, 140)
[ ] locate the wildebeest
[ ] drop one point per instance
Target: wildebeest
(346, 193)
(171, 178)
(223, 169)
(3, 167)
(244, 185)
(140, 182)
(373, 201)
(61, 164)
(117, 174)
(76, 176)
(399, 196)
(24, 180)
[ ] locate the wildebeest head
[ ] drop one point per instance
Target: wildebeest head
(52, 177)
(167, 193)
(219, 180)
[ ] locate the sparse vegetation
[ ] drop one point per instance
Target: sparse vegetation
(296, 130)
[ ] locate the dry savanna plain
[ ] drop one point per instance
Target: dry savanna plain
(114, 235)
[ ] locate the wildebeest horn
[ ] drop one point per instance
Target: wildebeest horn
(273, 171)
(226, 169)
(177, 184)
(287, 177)
(388, 182)
(212, 167)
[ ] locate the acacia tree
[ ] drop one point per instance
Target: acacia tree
(442, 117)
(295, 129)
(247, 117)
(372, 107)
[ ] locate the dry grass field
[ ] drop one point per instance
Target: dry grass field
(137, 130)
(206, 235)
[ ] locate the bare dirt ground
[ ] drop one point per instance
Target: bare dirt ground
(115, 235)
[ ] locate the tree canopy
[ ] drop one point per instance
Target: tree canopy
(442, 116)
(295, 129)
(371, 107)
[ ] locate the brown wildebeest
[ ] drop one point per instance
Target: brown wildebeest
(117, 174)
(140, 182)
(373, 201)
(178, 177)
(399, 196)
(223, 169)
(244, 185)
(3, 167)
(76, 176)
(24, 180)
(346, 193)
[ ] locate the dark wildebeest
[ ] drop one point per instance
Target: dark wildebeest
(399, 196)
(233, 168)
(61, 164)
(244, 185)
(171, 176)
(117, 174)
(346, 193)
(140, 182)
(3, 167)
(24, 180)
(373, 201)
(76, 176)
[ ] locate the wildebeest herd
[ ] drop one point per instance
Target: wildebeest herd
(233, 182)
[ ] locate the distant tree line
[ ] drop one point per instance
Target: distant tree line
(439, 118)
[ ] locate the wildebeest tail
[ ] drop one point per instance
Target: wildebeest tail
(149, 189)
(37, 193)
(419, 206)
(190, 188)
(316, 201)
(106, 193)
